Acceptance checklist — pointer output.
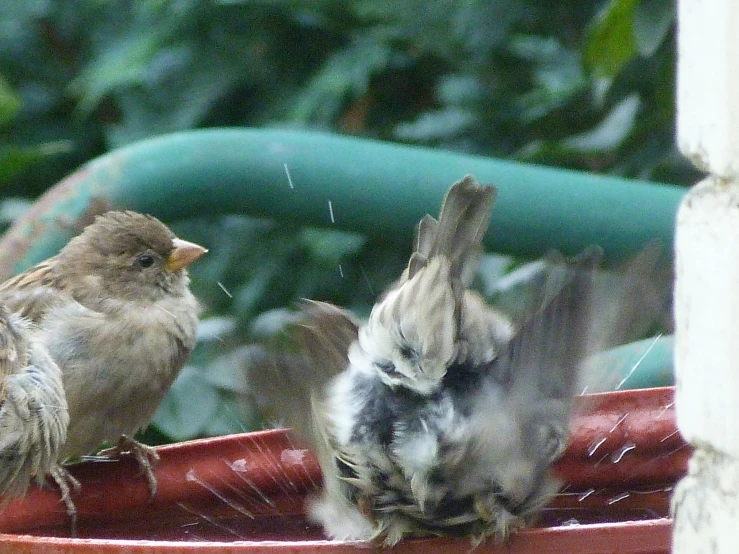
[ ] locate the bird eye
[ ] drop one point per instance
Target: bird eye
(407, 352)
(386, 366)
(145, 260)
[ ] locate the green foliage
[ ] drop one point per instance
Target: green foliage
(9, 103)
(579, 84)
(610, 44)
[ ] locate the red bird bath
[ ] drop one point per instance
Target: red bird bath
(245, 494)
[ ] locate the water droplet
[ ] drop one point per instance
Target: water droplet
(618, 498)
(293, 457)
(594, 446)
(618, 454)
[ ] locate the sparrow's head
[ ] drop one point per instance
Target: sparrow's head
(401, 363)
(129, 256)
(411, 335)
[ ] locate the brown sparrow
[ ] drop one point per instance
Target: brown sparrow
(371, 399)
(114, 310)
(33, 408)
(437, 416)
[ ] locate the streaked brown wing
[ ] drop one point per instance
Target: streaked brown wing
(309, 354)
(33, 292)
(12, 350)
(33, 422)
(457, 235)
(39, 274)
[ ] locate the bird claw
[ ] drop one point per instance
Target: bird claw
(366, 508)
(483, 509)
(67, 483)
(146, 456)
(496, 517)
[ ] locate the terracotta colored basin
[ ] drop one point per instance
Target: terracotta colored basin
(244, 493)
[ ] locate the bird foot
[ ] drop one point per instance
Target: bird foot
(498, 521)
(67, 483)
(146, 456)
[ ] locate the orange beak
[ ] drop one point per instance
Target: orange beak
(184, 254)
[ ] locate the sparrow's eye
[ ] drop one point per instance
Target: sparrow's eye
(145, 260)
(386, 366)
(407, 352)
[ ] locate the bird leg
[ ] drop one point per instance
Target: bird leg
(66, 483)
(365, 505)
(145, 456)
(497, 520)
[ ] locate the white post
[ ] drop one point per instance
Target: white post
(706, 502)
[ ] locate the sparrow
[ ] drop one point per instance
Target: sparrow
(33, 408)
(114, 312)
(361, 394)
(437, 416)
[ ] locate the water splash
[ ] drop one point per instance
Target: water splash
(639, 361)
(211, 520)
(601, 460)
(676, 450)
(192, 477)
(272, 469)
(619, 454)
(618, 498)
(225, 290)
(269, 455)
(250, 500)
(302, 464)
(664, 410)
(289, 179)
(239, 468)
(666, 489)
(668, 437)
(594, 446)
(293, 457)
(619, 422)
(366, 280)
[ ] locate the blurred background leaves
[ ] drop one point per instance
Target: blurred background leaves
(579, 84)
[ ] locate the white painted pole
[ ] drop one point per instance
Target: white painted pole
(706, 502)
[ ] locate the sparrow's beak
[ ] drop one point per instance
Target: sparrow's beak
(184, 253)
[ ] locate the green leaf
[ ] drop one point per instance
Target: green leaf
(513, 292)
(125, 62)
(232, 416)
(346, 72)
(491, 269)
(181, 417)
(458, 89)
(267, 325)
(611, 132)
(248, 297)
(9, 102)
(229, 371)
(14, 159)
(435, 125)
(557, 72)
(610, 41)
(329, 246)
(652, 23)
